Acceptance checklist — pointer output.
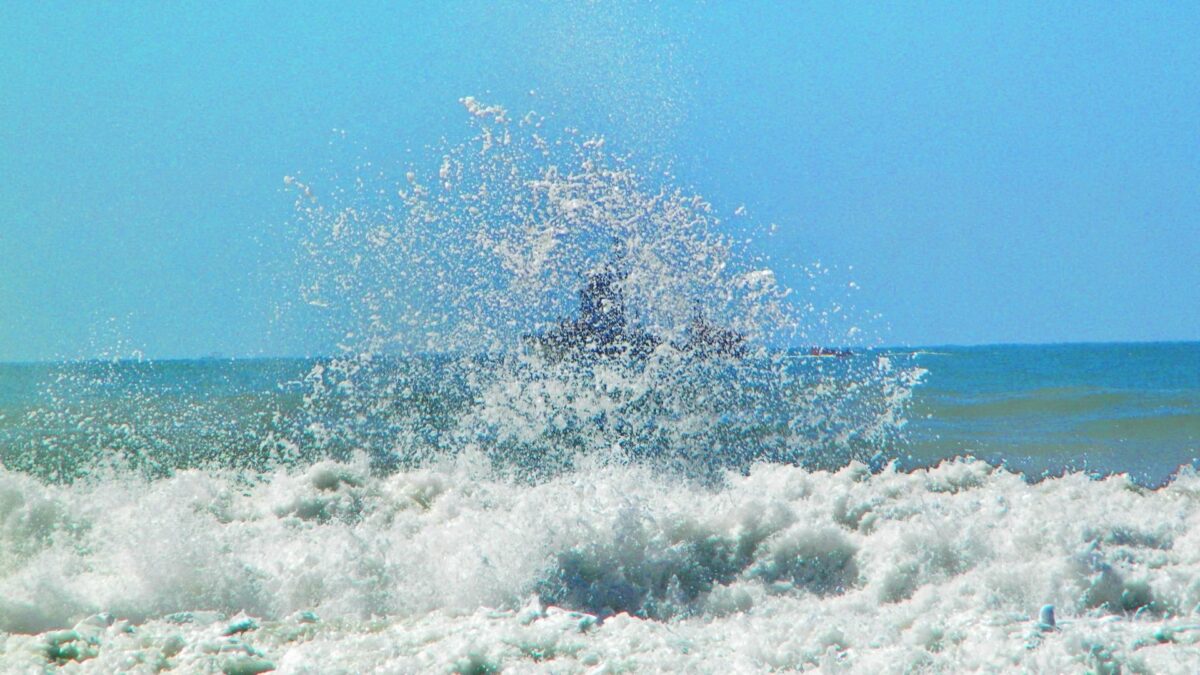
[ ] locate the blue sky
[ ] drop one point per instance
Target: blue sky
(1002, 172)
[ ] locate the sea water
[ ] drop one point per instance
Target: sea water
(436, 496)
(1044, 409)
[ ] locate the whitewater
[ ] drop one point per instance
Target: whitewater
(439, 495)
(609, 569)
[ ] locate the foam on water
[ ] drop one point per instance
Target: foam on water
(448, 567)
(439, 496)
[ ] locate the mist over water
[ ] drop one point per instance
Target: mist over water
(444, 492)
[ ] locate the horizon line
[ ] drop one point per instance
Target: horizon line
(216, 356)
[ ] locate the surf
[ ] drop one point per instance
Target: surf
(568, 421)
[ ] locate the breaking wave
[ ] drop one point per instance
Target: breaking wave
(565, 426)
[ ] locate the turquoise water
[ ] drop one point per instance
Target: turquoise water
(481, 514)
(440, 495)
(1045, 409)
(1038, 409)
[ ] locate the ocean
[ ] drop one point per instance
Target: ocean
(1100, 409)
(569, 421)
(165, 515)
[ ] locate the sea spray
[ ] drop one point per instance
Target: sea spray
(433, 288)
(440, 493)
(437, 285)
(117, 414)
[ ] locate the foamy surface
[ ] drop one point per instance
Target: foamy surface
(445, 493)
(604, 569)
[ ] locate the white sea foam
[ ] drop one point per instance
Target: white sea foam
(612, 567)
(507, 510)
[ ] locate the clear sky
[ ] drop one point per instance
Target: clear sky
(993, 172)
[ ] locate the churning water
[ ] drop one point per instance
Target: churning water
(492, 472)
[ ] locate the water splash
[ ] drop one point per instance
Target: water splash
(440, 285)
(395, 534)
(440, 289)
